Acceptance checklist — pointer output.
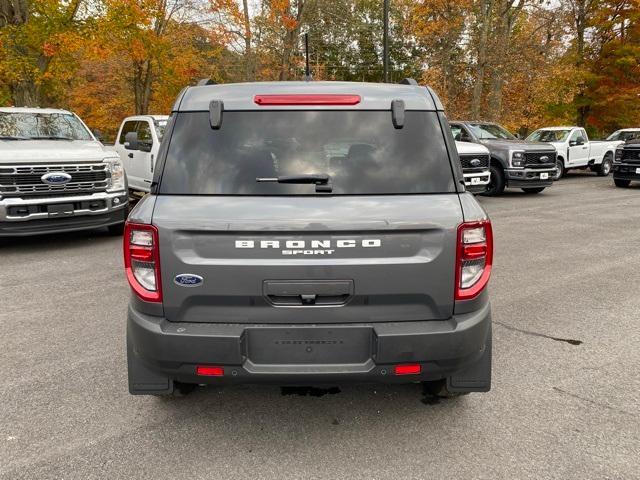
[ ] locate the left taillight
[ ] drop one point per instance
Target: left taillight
(142, 261)
(474, 258)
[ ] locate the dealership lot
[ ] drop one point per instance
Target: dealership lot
(564, 400)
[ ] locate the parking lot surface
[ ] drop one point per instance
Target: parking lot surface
(564, 403)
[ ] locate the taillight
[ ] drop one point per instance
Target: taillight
(474, 258)
(142, 261)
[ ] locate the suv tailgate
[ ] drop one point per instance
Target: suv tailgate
(332, 259)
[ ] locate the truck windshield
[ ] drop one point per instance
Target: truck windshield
(487, 131)
(42, 126)
(548, 136)
(625, 136)
(360, 151)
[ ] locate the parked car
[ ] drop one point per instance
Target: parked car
(302, 233)
(55, 176)
(139, 160)
(514, 163)
(626, 167)
(474, 159)
(625, 135)
(575, 150)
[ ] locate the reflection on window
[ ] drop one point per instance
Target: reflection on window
(33, 126)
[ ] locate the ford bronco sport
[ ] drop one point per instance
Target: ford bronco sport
(308, 233)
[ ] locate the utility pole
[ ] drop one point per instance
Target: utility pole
(385, 41)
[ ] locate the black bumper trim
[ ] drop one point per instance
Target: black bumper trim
(441, 347)
(62, 224)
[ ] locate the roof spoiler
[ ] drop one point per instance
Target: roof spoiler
(409, 81)
(205, 81)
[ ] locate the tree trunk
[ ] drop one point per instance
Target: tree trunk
(486, 7)
(290, 43)
(25, 94)
(14, 12)
(580, 14)
(250, 64)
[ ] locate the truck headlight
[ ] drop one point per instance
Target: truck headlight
(116, 177)
(618, 157)
(517, 159)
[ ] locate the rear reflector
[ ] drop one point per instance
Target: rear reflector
(318, 99)
(209, 371)
(409, 369)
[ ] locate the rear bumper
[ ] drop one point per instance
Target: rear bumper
(161, 352)
(33, 216)
(529, 177)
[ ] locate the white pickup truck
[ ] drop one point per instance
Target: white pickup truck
(475, 159)
(576, 151)
(140, 161)
(55, 176)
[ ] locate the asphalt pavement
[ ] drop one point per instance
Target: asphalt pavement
(564, 404)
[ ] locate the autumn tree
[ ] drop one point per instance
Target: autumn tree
(37, 34)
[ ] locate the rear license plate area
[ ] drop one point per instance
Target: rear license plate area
(308, 346)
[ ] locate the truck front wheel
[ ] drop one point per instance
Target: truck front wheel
(605, 166)
(496, 184)
(560, 170)
(621, 182)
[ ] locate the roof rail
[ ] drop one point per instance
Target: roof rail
(205, 81)
(408, 81)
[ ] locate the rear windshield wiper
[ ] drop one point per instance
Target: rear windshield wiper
(322, 181)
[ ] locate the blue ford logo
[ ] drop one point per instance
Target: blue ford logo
(55, 178)
(544, 158)
(188, 280)
(475, 162)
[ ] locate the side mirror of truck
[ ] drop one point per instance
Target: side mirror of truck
(131, 141)
(577, 142)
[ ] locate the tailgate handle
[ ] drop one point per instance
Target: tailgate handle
(308, 292)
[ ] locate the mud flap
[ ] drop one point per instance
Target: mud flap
(477, 377)
(142, 380)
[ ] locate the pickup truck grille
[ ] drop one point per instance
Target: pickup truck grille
(465, 160)
(537, 160)
(631, 155)
(26, 180)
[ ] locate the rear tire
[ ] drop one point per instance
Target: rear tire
(560, 170)
(496, 184)
(621, 182)
(605, 167)
(533, 190)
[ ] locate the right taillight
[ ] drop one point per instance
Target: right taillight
(142, 261)
(473, 259)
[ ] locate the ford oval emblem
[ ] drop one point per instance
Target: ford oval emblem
(475, 162)
(544, 158)
(55, 178)
(188, 280)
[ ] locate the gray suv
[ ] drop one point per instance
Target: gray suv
(308, 233)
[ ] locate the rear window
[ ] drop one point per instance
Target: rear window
(361, 151)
